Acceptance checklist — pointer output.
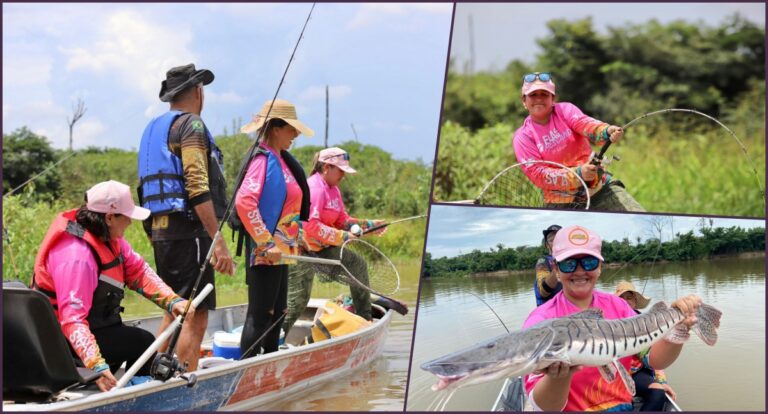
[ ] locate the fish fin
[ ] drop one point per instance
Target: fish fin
(659, 306)
(540, 352)
(707, 322)
(591, 313)
(679, 334)
(625, 377)
(608, 372)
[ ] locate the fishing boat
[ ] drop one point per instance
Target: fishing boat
(221, 384)
(512, 398)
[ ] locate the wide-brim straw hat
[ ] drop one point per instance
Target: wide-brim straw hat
(281, 109)
(625, 286)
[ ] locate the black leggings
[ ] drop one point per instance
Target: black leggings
(267, 302)
(653, 398)
(120, 343)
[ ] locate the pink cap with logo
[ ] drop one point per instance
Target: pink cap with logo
(576, 240)
(537, 85)
(338, 157)
(114, 197)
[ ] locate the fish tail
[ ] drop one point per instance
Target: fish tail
(708, 320)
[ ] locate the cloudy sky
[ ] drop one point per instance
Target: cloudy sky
(460, 229)
(384, 65)
(503, 32)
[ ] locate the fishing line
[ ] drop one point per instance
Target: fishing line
(693, 111)
(39, 174)
(489, 307)
(240, 176)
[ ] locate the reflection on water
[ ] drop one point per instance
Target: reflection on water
(376, 387)
(729, 376)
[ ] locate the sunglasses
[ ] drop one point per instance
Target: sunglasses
(542, 76)
(345, 155)
(588, 263)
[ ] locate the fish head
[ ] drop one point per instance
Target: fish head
(504, 356)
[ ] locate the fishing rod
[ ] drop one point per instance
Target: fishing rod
(381, 226)
(598, 158)
(22, 185)
(164, 360)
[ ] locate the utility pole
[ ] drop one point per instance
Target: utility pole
(471, 47)
(326, 116)
(77, 112)
(353, 131)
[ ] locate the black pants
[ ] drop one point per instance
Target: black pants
(653, 398)
(267, 301)
(120, 343)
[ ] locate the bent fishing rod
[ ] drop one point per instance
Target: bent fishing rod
(162, 361)
(597, 159)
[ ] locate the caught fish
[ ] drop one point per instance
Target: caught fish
(584, 338)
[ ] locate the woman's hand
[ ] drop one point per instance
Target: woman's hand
(588, 172)
(560, 370)
(106, 381)
(273, 255)
(688, 305)
(380, 231)
(615, 133)
(666, 389)
(178, 308)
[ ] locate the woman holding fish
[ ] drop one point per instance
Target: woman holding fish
(560, 386)
(575, 351)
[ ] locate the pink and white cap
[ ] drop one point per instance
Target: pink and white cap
(114, 197)
(537, 85)
(338, 157)
(575, 240)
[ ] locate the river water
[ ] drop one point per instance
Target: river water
(727, 377)
(379, 386)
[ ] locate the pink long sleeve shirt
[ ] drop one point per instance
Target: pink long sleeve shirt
(589, 391)
(75, 276)
(286, 236)
(328, 223)
(565, 139)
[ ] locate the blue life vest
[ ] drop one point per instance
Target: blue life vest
(274, 192)
(161, 175)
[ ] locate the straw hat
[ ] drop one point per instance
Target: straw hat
(625, 286)
(281, 109)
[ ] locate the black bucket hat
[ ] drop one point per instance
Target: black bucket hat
(181, 77)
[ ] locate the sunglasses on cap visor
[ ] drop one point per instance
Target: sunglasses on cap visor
(588, 263)
(344, 155)
(531, 77)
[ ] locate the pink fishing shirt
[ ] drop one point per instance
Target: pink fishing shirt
(247, 203)
(328, 218)
(589, 391)
(565, 139)
(75, 276)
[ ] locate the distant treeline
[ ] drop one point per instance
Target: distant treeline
(686, 246)
(383, 188)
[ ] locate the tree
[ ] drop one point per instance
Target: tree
(78, 111)
(26, 154)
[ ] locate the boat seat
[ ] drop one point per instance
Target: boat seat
(37, 361)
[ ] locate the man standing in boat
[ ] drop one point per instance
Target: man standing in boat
(546, 284)
(181, 181)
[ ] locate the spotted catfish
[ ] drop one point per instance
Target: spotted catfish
(584, 338)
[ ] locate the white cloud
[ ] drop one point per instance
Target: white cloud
(374, 13)
(137, 50)
(88, 132)
(317, 93)
(26, 70)
(223, 98)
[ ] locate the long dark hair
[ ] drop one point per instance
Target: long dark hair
(94, 222)
(271, 124)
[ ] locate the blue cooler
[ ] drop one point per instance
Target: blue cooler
(226, 345)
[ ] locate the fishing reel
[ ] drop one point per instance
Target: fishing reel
(166, 366)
